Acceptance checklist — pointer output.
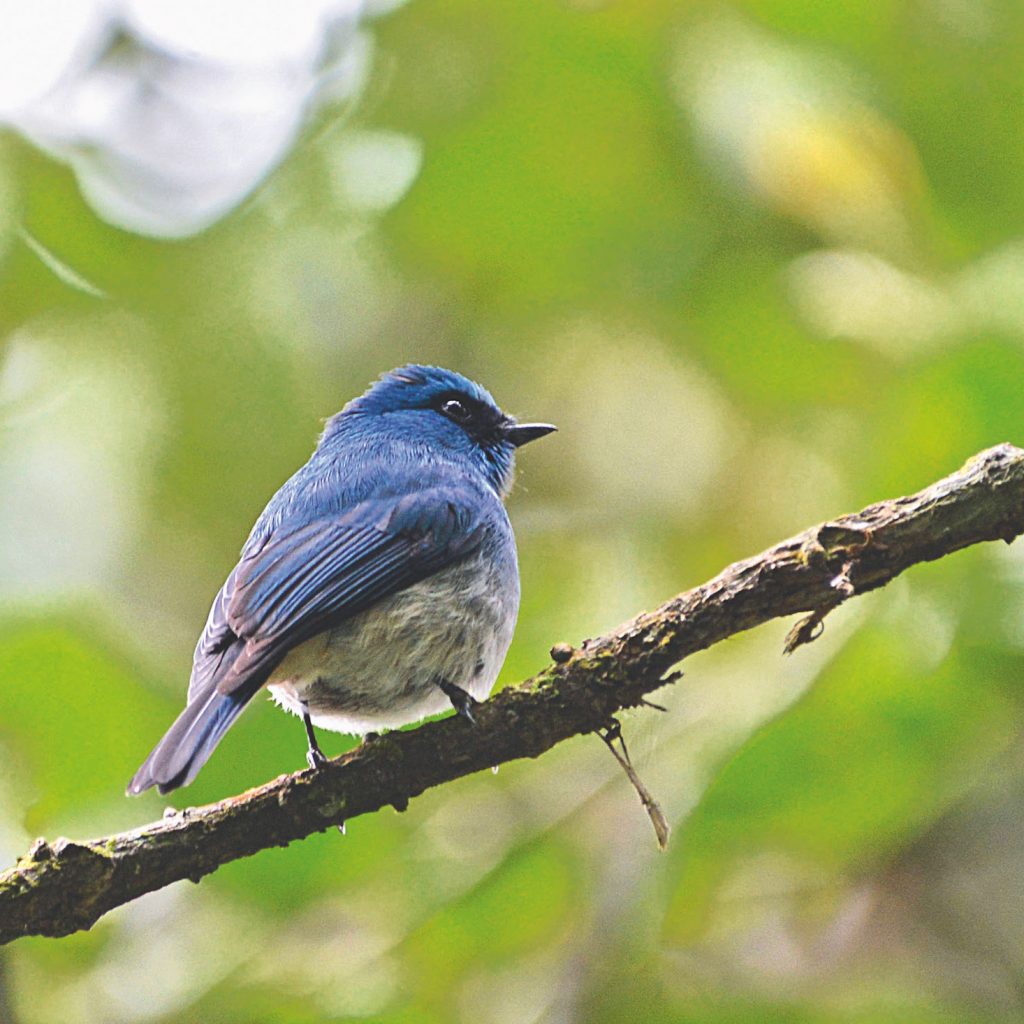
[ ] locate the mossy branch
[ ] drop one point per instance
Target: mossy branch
(61, 887)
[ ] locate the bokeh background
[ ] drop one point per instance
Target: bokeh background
(763, 263)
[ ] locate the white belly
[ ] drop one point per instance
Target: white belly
(381, 668)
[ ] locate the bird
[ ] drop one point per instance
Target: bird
(379, 585)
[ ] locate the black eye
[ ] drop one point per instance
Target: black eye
(455, 410)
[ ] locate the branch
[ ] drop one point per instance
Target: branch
(59, 888)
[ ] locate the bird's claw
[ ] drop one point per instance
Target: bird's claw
(316, 759)
(461, 701)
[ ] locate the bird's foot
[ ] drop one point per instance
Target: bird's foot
(461, 701)
(315, 757)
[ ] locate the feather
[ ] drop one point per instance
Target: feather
(292, 584)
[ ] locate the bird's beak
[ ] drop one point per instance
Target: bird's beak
(521, 433)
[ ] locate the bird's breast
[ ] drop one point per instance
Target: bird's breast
(381, 667)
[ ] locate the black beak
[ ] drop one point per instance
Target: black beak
(522, 433)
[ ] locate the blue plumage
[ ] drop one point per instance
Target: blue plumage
(380, 582)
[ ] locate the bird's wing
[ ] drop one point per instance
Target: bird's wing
(302, 582)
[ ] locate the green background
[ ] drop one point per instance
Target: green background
(762, 264)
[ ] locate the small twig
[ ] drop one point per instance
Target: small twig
(644, 702)
(806, 630)
(611, 733)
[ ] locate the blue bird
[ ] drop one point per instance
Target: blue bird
(379, 585)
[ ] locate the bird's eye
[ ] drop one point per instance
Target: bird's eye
(455, 410)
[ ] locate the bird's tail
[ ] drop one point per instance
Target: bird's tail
(186, 746)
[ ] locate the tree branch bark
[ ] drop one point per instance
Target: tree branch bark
(59, 888)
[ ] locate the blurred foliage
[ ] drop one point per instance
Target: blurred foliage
(763, 264)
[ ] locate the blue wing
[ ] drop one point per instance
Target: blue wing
(303, 583)
(291, 585)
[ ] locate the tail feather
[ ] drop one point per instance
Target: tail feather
(186, 746)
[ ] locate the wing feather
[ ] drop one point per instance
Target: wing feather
(303, 582)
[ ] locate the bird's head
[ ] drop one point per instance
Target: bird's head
(444, 408)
